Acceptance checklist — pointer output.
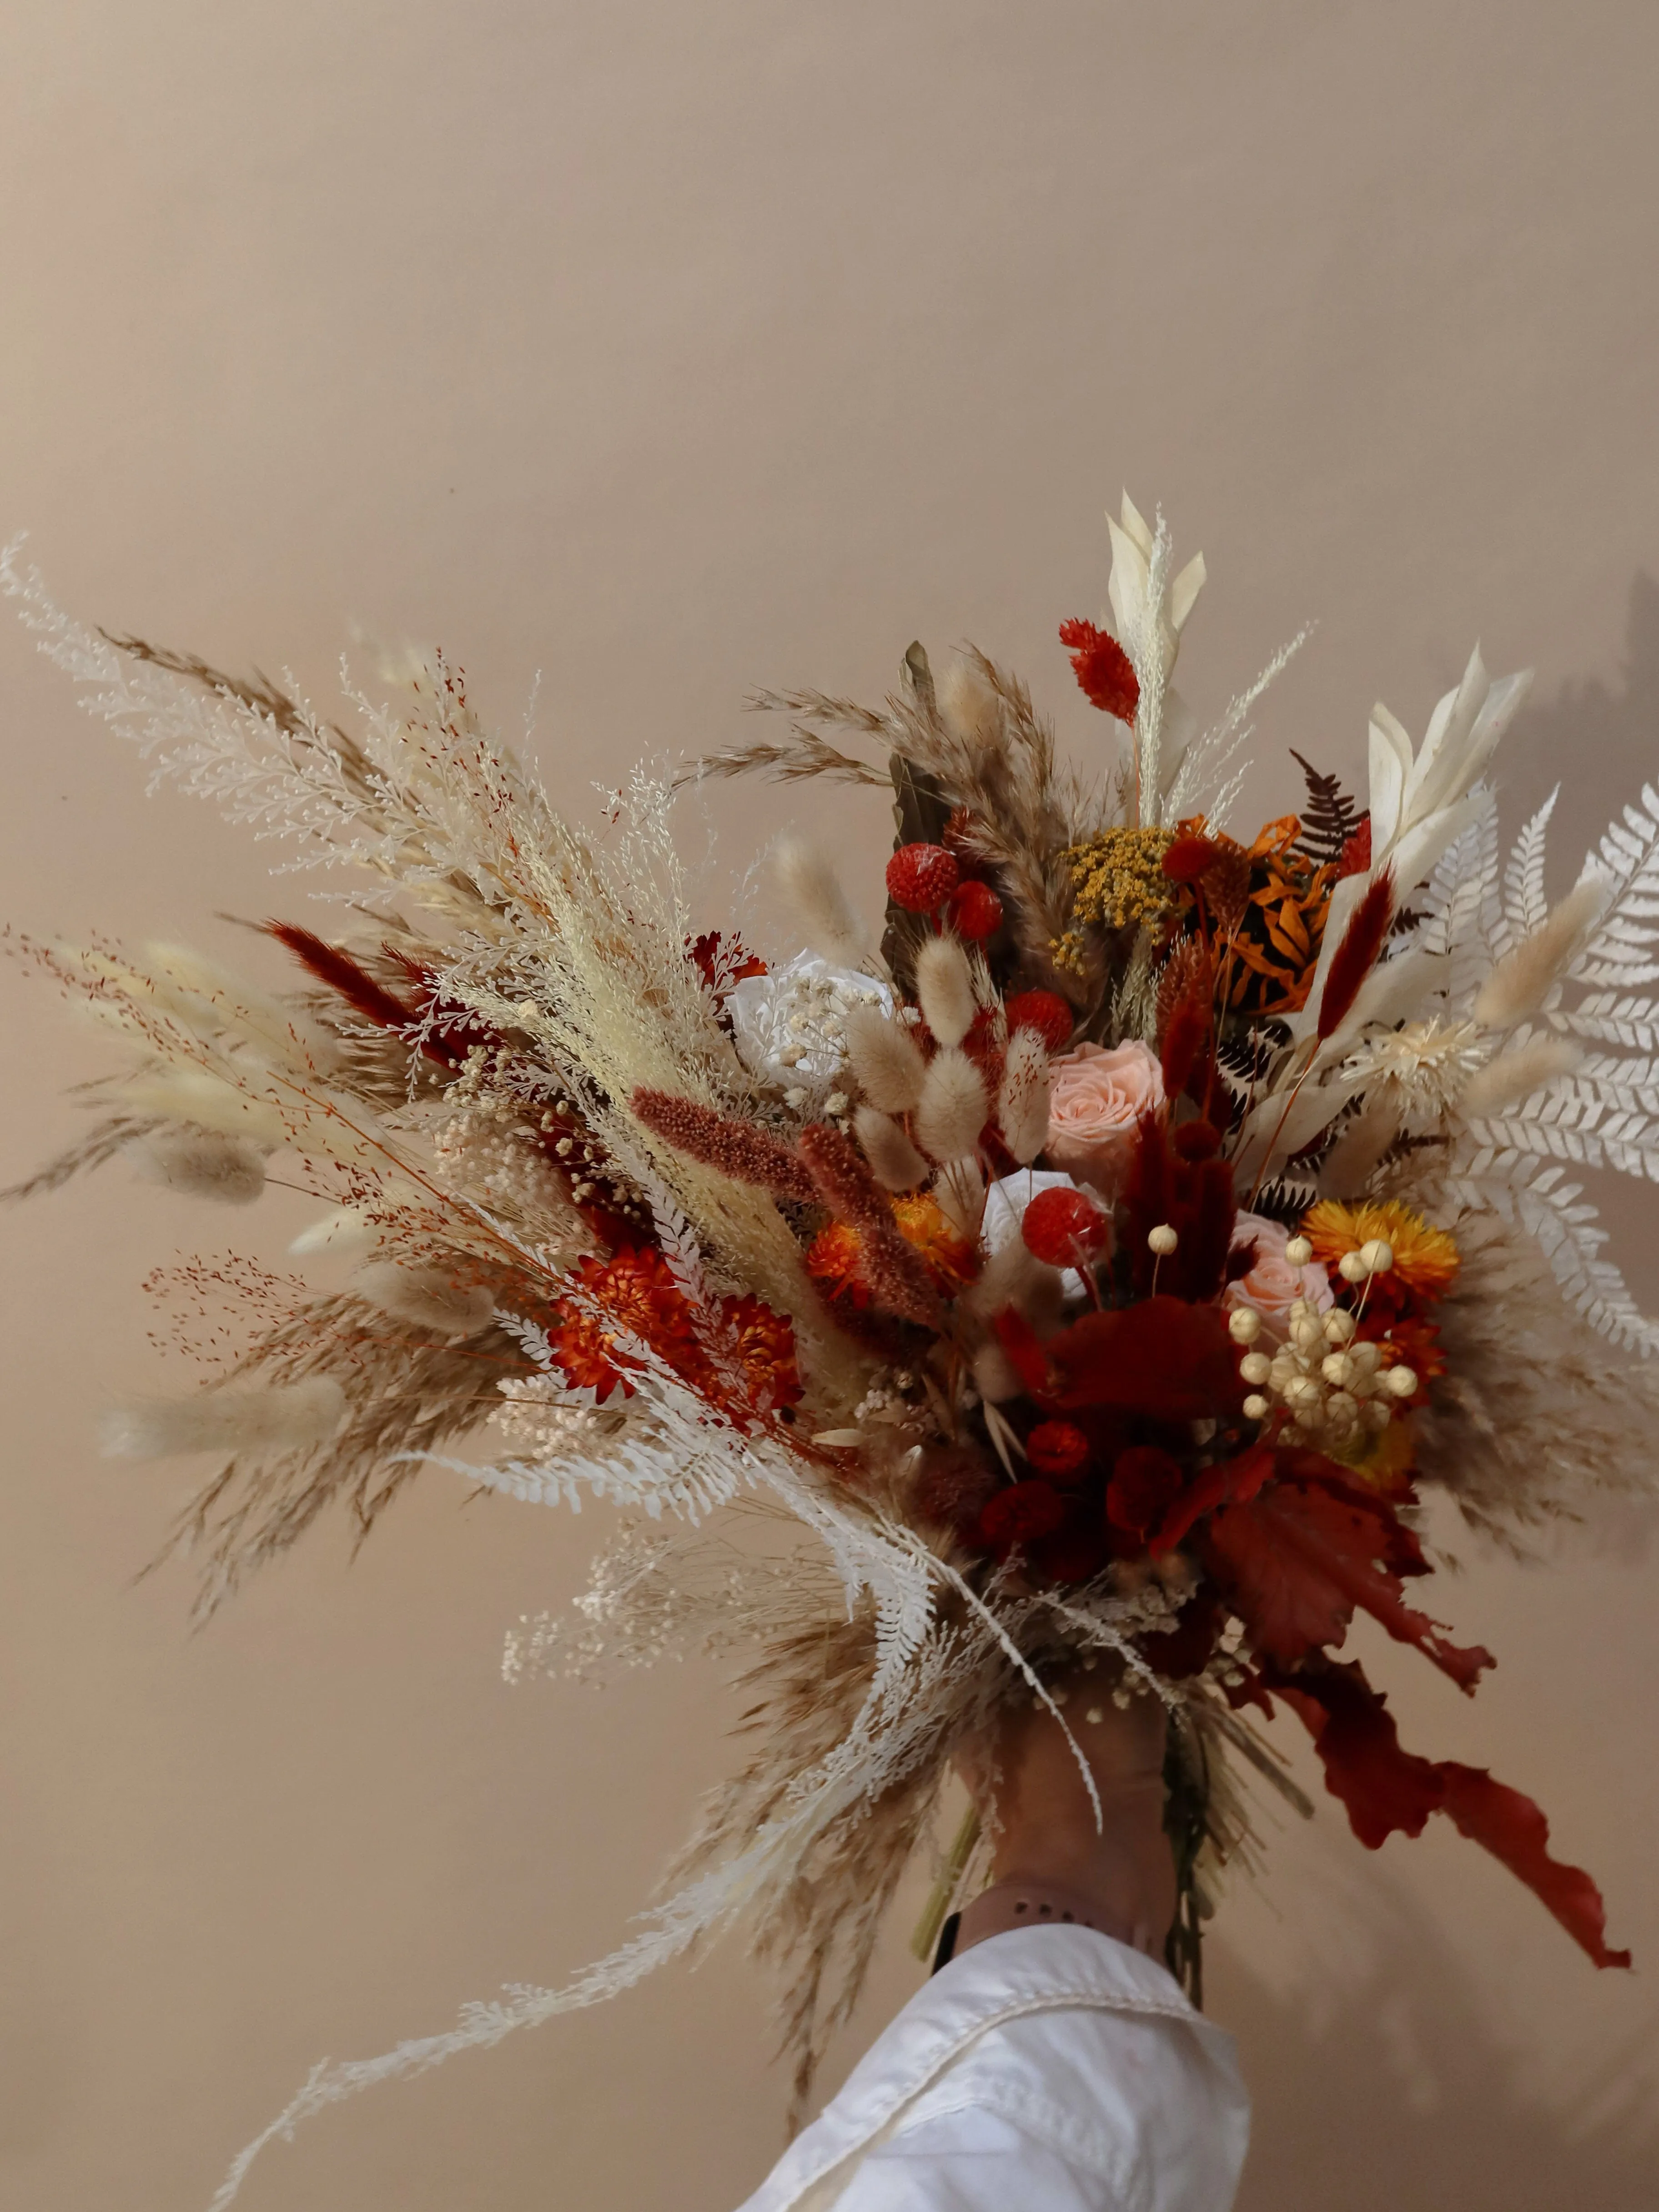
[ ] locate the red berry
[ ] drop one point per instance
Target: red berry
(1057, 1449)
(1063, 1228)
(1045, 1011)
(920, 878)
(1021, 1515)
(975, 912)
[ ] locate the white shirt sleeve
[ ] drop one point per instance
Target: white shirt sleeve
(1051, 2070)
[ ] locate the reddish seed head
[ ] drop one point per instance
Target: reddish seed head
(1063, 1227)
(1021, 1515)
(1196, 1141)
(1190, 857)
(920, 878)
(1103, 668)
(975, 912)
(1057, 1449)
(1045, 1011)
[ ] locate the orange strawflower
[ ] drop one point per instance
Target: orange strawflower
(836, 1258)
(1425, 1257)
(764, 1342)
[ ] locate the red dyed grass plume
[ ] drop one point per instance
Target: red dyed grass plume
(1103, 668)
(1356, 953)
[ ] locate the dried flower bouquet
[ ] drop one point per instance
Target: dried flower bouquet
(1108, 1263)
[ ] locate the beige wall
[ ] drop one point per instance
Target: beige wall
(671, 349)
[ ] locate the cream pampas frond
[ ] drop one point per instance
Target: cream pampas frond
(288, 1418)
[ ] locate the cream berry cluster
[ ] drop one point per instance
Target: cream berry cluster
(1335, 1387)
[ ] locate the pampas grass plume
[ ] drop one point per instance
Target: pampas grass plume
(201, 1163)
(887, 1059)
(944, 989)
(1518, 986)
(1515, 1074)
(288, 1418)
(894, 1160)
(1022, 1100)
(425, 1297)
(953, 1105)
(182, 974)
(816, 898)
(190, 1094)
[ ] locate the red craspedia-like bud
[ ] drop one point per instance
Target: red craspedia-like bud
(975, 912)
(920, 878)
(1103, 668)
(954, 1485)
(1057, 1449)
(1143, 1484)
(1062, 1227)
(1190, 857)
(1045, 1011)
(1021, 1516)
(1196, 1141)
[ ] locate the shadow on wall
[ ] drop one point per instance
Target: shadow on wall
(1395, 2092)
(1599, 741)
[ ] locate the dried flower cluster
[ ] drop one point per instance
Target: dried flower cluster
(1107, 1263)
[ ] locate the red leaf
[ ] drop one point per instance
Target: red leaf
(1160, 1357)
(1383, 1787)
(1223, 1478)
(1301, 1557)
(1511, 1827)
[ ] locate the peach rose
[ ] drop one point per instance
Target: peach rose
(1096, 1100)
(1272, 1286)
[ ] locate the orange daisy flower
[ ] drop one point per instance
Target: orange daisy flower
(1425, 1258)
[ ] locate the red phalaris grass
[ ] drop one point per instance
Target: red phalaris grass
(1356, 954)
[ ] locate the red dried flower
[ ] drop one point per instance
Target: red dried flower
(1103, 668)
(920, 878)
(738, 962)
(1189, 857)
(1144, 1482)
(1045, 1011)
(1021, 1515)
(764, 1342)
(954, 1485)
(958, 834)
(581, 1352)
(1057, 1449)
(1063, 1228)
(975, 912)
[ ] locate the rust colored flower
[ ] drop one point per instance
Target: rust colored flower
(949, 1259)
(764, 1342)
(581, 1350)
(1425, 1257)
(1102, 669)
(833, 1259)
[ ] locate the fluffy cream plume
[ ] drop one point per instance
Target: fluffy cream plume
(969, 704)
(894, 1160)
(1022, 1100)
(425, 1297)
(186, 983)
(817, 902)
(205, 1102)
(944, 988)
(1014, 1276)
(959, 1193)
(953, 1105)
(290, 1416)
(1518, 986)
(1359, 1150)
(201, 1163)
(347, 1229)
(1515, 1074)
(886, 1059)
(995, 1376)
